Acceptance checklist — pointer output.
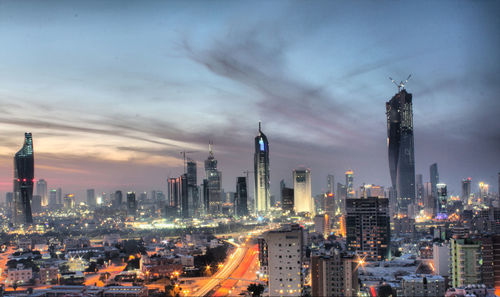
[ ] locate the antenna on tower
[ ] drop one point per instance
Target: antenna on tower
(401, 85)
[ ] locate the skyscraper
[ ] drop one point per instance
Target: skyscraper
(420, 190)
(192, 187)
(261, 173)
(91, 199)
(442, 201)
(330, 184)
(214, 182)
(53, 198)
(24, 172)
(349, 183)
(368, 228)
(466, 190)
(131, 204)
(434, 177)
(302, 191)
(241, 196)
(41, 189)
(117, 202)
(401, 147)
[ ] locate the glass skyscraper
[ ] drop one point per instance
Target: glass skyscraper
(401, 147)
(261, 172)
(214, 182)
(24, 172)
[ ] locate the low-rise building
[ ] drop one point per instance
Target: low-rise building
(423, 285)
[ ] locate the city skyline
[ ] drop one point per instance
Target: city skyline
(114, 110)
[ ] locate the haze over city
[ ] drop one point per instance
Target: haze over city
(113, 93)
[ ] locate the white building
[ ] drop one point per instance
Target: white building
(284, 252)
(441, 259)
(420, 285)
(303, 201)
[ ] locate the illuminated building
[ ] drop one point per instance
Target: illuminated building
(91, 199)
(193, 192)
(466, 190)
(349, 183)
(53, 198)
(241, 196)
(41, 189)
(24, 170)
(334, 273)
(483, 192)
(322, 225)
(340, 198)
(368, 230)
(178, 196)
(69, 201)
(401, 147)
(302, 199)
(420, 190)
(261, 173)
(131, 204)
(330, 184)
(214, 182)
(429, 201)
(330, 205)
(371, 191)
(442, 201)
(284, 259)
(465, 262)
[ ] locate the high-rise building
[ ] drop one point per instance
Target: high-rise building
(131, 204)
(41, 189)
(334, 273)
(466, 190)
(69, 201)
(420, 191)
(442, 201)
(178, 195)
(261, 173)
(287, 196)
(118, 199)
(59, 196)
(400, 144)
(340, 198)
(434, 178)
(9, 201)
(194, 204)
(53, 198)
(24, 171)
(441, 259)
(465, 262)
(330, 184)
(368, 230)
(429, 201)
(371, 191)
(349, 183)
(284, 260)
(241, 196)
(322, 225)
(214, 182)
(91, 199)
(36, 204)
(330, 205)
(302, 191)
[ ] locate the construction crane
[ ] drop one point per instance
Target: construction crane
(402, 84)
(183, 153)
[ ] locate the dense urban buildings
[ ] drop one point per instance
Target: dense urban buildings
(24, 174)
(400, 144)
(261, 173)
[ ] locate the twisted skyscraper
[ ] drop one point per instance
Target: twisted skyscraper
(261, 171)
(24, 171)
(401, 148)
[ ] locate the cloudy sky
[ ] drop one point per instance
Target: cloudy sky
(114, 90)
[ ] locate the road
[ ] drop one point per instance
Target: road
(113, 269)
(242, 276)
(233, 261)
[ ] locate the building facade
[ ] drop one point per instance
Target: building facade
(303, 202)
(261, 173)
(24, 173)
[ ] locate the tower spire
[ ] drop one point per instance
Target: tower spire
(210, 149)
(260, 127)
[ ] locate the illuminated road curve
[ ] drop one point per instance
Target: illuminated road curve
(231, 264)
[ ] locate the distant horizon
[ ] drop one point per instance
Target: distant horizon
(113, 93)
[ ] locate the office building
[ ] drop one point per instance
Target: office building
(131, 204)
(214, 182)
(330, 205)
(420, 191)
(400, 143)
(53, 198)
(69, 201)
(284, 249)
(118, 199)
(322, 225)
(41, 189)
(371, 191)
(287, 202)
(302, 199)
(59, 196)
(330, 184)
(429, 201)
(241, 196)
(434, 177)
(334, 273)
(442, 201)
(349, 183)
(261, 173)
(24, 170)
(178, 196)
(368, 230)
(441, 259)
(340, 198)
(36, 204)
(194, 204)
(465, 262)
(466, 190)
(91, 198)
(423, 285)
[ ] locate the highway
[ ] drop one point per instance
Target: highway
(233, 261)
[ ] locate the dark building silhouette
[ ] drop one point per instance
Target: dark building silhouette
(368, 228)
(117, 202)
(131, 204)
(434, 177)
(466, 190)
(241, 196)
(261, 173)
(401, 147)
(287, 199)
(91, 199)
(24, 172)
(192, 188)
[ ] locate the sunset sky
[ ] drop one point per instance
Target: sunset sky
(113, 91)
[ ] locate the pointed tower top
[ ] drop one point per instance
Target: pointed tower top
(260, 127)
(210, 149)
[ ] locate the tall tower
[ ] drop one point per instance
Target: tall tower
(466, 190)
(330, 184)
(303, 201)
(214, 181)
(261, 173)
(41, 189)
(24, 172)
(400, 145)
(434, 177)
(349, 183)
